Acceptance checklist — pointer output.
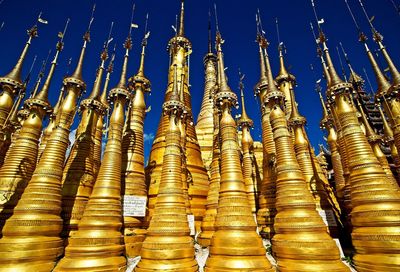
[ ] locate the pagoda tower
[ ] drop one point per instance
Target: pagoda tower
(267, 211)
(11, 85)
(133, 175)
(98, 243)
(78, 177)
(205, 119)
(100, 126)
(374, 197)
(21, 160)
(32, 233)
(235, 245)
(301, 242)
(245, 123)
(168, 246)
(197, 174)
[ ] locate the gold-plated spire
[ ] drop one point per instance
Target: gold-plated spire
(389, 141)
(378, 38)
(182, 20)
(235, 244)
(132, 175)
(266, 212)
(11, 83)
(78, 177)
(245, 123)
(180, 49)
(25, 148)
(36, 242)
(205, 120)
(168, 245)
(99, 230)
(373, 194)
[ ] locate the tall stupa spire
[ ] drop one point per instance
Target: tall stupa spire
(235, 245)
(107, 245)
(25, 148)
(205, 119)
(245, 123)
(371, 190)
(267, 211)
(11, 83)
(37, 241)
(133, 176)
(78, 176)
(180, 49)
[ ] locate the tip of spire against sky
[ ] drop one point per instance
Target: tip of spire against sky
(238, 27)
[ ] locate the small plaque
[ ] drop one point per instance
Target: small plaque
(328, 217)
(190, 218)
(134, 205)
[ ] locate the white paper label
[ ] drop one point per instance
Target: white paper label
(190, 218)
(134, 205)
(328, 217)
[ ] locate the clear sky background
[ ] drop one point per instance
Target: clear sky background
(237, 24)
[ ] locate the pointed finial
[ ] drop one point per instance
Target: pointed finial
(378, 38)
(295, 116)
(77, 74)
(132, 25)
(28, 76)
(216, 18)
(110, 69)
(144, 44)
(103, 57)
(283, 73)
(341, 64)
(262, 44)
(14, 77)
(209, 33)
(43, 94)
(321, 98)
(182, 18)
(334, 77)
(40, 75)
(244, 119)
(383, 84)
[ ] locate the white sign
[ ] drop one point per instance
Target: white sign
(134, 205)
(328, 217)
(190, 218)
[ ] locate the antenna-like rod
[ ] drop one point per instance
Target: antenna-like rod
(353, 17)
(369, 82)
(28, 77)
(216, 18)
(277, 31)
(131, 25)
(374, 31)
(341, 64)
(396, 7)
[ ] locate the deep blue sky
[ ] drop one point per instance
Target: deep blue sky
(237, 24)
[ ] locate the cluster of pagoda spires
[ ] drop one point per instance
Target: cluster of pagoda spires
(67, 214)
